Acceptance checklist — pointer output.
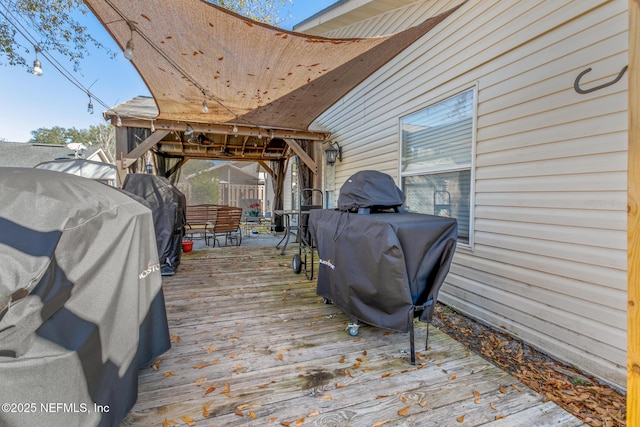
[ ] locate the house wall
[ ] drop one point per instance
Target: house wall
(548, 260)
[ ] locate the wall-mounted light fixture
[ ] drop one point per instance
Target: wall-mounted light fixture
(333, 153)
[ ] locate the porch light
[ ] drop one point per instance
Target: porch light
(333, 153)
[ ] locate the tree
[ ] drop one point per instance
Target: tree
(205, 188)
(55, 26)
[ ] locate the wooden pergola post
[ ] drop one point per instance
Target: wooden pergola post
(633, 218)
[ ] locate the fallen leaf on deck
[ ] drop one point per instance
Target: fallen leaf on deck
(169, 374)
(453, 376)
(168, 423)
(201, 380)
(313, 414)
(299, 422)
(211, 349)
(500, 417)
(502, 389)
(492, 406)
(347, 373)
(341, 360)
(476, 400)
(460, 419)
(187, 419)
(253, 415)
(205, 410)
(379, 423)
(210, 390)
(280, 356)
(404, 411)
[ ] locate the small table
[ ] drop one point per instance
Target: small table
(287, 227)
(251, 222)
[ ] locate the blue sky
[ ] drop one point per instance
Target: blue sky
(28, 102)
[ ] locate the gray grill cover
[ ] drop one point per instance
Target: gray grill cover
(369, 189)
(81, 303)
(383, 268)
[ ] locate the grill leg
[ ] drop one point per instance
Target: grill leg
(426, 344)
(413, 345)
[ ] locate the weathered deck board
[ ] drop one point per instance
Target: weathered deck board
(254, 346)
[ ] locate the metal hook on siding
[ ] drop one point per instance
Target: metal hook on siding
(576, 84)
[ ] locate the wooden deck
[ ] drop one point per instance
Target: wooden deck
(252, 345)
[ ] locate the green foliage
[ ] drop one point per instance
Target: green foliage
(102, 136)
(266, 11)
(55, 26)
(205, 188)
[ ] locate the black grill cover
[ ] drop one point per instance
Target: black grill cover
(369, 189)
(383, 268)
(168, 206)
(81, 303)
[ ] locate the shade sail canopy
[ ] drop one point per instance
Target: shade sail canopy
(249, 73)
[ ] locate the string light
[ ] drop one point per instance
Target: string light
(153, 128)
(90, 106)
(128, 51)
(235, 129)
(37, 66)
(205, 107)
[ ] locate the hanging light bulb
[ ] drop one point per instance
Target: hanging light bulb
(128, 50)
(119, 122)
(153, 128)
(205, 107)
(259, 134)
(235, 128)
(37, 66)
(90, 106)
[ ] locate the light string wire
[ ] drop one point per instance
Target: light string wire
(24, 32)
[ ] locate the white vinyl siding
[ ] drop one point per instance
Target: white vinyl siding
(548, 262)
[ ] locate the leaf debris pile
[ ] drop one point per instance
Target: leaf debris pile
(583, 396)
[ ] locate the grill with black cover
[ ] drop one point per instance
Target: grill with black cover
(382, 266)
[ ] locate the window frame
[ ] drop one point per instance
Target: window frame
(471, 166)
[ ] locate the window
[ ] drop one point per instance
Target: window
(436, 157)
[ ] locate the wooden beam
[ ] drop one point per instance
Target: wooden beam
(221, 129)
(267, 168)
(131, 157)
(311, 164)
(633, 220)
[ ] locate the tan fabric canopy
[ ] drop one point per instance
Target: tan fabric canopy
(249, 73)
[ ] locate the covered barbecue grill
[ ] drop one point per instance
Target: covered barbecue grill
(168, 206)
(379, 264)
(81, 302)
